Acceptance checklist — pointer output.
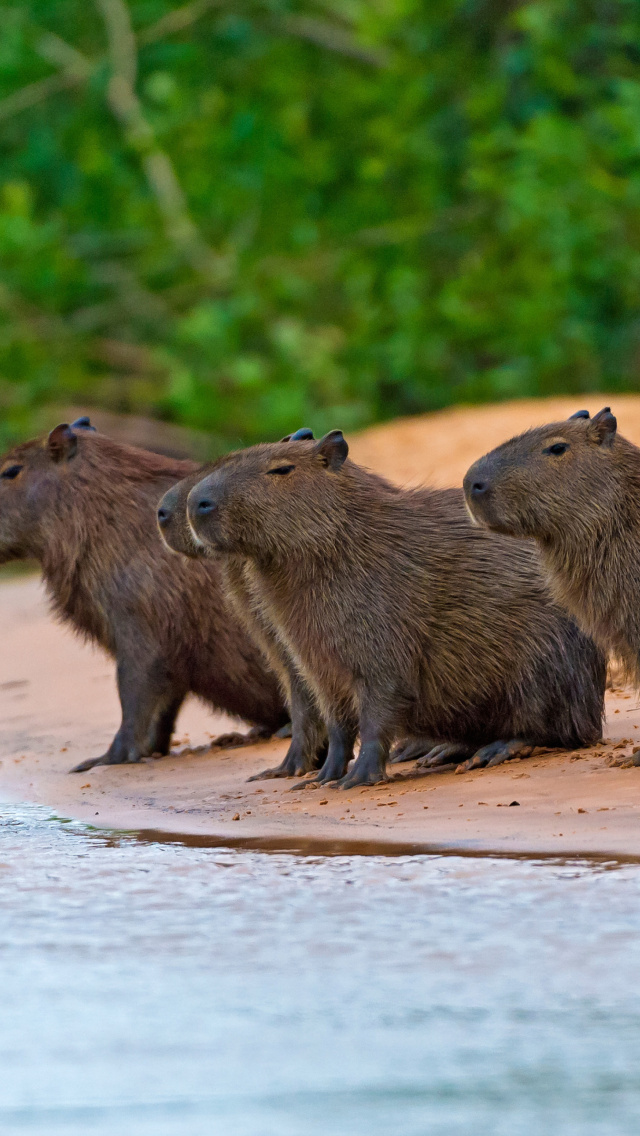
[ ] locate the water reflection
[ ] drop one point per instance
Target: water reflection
(159, 988)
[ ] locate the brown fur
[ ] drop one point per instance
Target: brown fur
(401, 617)
(84, 506)
(308, 741)
(582, 506)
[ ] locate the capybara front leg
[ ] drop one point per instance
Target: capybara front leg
(308, 747)
(150, 704)
(370, 765)
(497, 752)
(341, 740)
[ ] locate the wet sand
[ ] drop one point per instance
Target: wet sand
(58, 705)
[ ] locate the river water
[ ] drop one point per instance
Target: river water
(157, 989)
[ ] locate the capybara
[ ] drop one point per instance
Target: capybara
(84, 507)
(399, 614)
(308, 734)
(574, 487)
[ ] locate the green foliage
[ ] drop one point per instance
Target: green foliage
(248, 217)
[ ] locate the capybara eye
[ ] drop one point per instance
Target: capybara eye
(282, 469)
(11, 471)
(557, 448)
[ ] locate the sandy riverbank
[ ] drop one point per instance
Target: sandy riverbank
(58, 704)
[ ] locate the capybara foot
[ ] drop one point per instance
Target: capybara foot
(332, 770)
(368, 768)
(497, 752)
(365, 777)
(446, 753)
(286, 768)
(301, 757)
(235, 740)
(284, 731)
(89, 764)
(104, 759)
(411, 748)
(282, 770)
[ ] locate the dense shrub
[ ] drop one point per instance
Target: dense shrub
(245, 217)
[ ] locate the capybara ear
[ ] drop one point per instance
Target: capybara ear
(62, 443)
(300, 435)
(83, 423)
(602, 427)
(332, 449)
(579, 414)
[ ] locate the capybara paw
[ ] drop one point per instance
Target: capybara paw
(447, 753)
(411, 748)
(497, 752)
(89, 764)
(310, 783)
(277, 771)
(367, 777)
(235, 740)
(284, 731)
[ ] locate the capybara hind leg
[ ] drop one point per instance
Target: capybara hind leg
(497, 752)
(341, 740)
(150, 703)
(411, 748)
(447, 753)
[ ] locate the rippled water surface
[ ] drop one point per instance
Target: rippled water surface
(153, 988)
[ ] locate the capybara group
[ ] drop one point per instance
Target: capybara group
(574, 487)
(401, 617)
(85, 508)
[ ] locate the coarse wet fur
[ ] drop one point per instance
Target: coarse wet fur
(308, 734)
(404, 619)
(84, 507)
(574, 487)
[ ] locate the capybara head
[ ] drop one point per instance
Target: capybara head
(536, 484)
(272, 500)
(32, 477)
(172, 511)
(173, 523)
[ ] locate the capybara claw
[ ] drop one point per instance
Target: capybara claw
(282, 770)
(310, 783)
(410, 749)
(88, 764)
(444, 754)
(353, 779)
(497, 752)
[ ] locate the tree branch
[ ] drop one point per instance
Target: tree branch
(161, 176)
(177, 20)
(332, 37)
(36, 93)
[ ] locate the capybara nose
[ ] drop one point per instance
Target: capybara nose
(205, 506)
(479, 488)
(164, 516)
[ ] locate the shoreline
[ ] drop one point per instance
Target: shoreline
(58, 704)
